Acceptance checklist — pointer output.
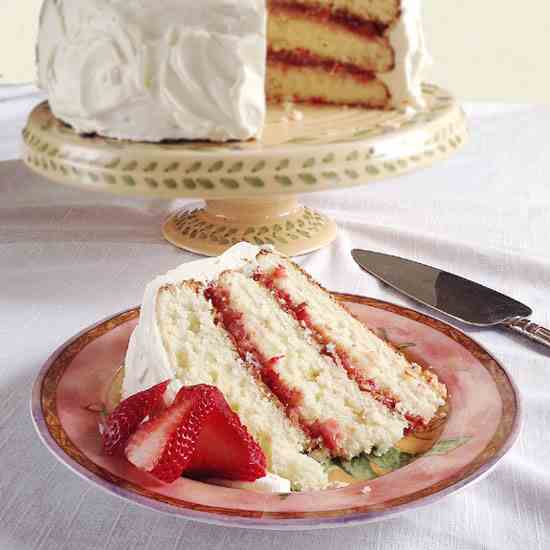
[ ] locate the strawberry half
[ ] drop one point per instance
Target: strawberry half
(128, 415)
(198, 435)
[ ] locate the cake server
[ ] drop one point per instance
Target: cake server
(452, 295)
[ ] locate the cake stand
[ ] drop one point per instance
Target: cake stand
(251, 188)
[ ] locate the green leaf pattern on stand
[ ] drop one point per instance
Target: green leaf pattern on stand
(306, 224)
(310, 161)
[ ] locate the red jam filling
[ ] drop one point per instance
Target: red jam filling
(336, 352)
(326, 15)
(291, 398)
(329, 432)
(233, 324)
(300, 57)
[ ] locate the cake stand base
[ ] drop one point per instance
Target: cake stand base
(277, 220)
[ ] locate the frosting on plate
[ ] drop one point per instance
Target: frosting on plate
(270, 483)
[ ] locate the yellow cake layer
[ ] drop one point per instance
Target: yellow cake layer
(295, 83)
(201, 352)
(289, 31)
(328, 395)
(418, 391)
(383, 11)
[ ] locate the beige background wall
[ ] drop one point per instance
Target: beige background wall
(482, 49)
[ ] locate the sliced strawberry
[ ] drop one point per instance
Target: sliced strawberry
(129, 414)
(198, 435)
(224, 448)
(163, 446)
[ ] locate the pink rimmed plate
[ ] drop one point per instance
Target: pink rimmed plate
(477, 428)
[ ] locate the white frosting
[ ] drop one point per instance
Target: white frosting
(270, 483)
(411, 58)
(144, 70)
(147, 362)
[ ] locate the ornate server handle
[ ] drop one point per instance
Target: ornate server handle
(527, 328)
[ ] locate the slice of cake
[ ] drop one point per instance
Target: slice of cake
(151, 71)
(303, 375)
(378, 370)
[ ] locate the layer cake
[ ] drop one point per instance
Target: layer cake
(178, 69)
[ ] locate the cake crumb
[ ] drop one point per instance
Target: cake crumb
(391, 125)
(338, 484)
(291, 113)
(296, 115)
(407, 110)
(366, 490)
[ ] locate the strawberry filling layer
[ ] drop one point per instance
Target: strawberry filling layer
(304, 58)
(264, 368)
(328, 16)
(300, 312)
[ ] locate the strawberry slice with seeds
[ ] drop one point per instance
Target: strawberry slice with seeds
(164, 445)
(129, 414)
(198, 435)
(225, 449)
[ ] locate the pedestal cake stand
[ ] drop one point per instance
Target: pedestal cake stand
(251, 188)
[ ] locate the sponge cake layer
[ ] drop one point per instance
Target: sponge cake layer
(290, 30)
(316, 84)
(382, 11)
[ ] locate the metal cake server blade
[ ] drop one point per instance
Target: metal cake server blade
(452, 295)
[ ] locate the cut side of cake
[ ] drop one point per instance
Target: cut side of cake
(316, 393)
(309, 381)
(377, 368)
(200, 351)
(366, 53)
(379, 11)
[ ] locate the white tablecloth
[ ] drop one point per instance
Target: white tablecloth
(69, 258)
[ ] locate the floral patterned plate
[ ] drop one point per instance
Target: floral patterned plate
(467, 439)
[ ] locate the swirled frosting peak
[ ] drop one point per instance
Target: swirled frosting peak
(149, 71)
